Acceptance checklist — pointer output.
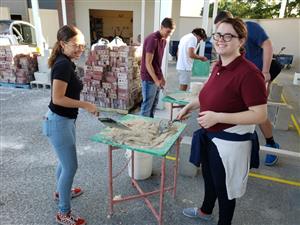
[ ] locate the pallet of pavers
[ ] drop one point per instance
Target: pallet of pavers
(112, 78)
(17, 65)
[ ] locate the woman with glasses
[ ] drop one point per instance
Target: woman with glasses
(231, 103)
(59, 122)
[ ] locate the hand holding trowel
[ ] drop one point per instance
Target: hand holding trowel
(165, 125)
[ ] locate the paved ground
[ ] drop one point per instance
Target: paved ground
(28, 164)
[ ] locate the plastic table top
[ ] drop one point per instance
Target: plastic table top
(172, 98)
(161, 151)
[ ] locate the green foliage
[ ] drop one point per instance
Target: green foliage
(257, 9)
(293, 9)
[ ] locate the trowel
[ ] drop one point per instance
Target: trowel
(109, 122)
(165, 125)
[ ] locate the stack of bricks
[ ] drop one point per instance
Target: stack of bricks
(17, 64)
(112, 77)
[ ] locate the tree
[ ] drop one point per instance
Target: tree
(293, 9)
(257, 9)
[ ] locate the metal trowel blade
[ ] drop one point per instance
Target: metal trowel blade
(109, 122)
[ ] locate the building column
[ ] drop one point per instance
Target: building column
(215, 11)
(69, 12)
(204, 25)
(38, 27)
(143, 21)
(162, 9)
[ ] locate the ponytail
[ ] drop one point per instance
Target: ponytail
(65, 33)
(55, 52)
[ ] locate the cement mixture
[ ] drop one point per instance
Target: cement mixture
(143, 134)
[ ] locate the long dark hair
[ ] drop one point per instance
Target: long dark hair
(65, 33)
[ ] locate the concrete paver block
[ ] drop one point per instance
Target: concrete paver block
(282, 117)
(275, 92)
(296, 80)
(185, 167)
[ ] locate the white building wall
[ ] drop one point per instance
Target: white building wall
(176, 17)
(82, 13)
(149, 14)
(17, 7)
(187, 24)
(4, 13)
(49, 22)
(282, 32)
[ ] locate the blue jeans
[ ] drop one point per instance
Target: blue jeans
(61, 134)
(150, 94)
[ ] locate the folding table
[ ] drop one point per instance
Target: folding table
(158, 152)
(175, 103)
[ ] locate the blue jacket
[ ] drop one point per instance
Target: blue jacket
(202, 138)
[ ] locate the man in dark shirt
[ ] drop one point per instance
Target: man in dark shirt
(151, 73)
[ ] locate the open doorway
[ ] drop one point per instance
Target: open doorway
(110, 23)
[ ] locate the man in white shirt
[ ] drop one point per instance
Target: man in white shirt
(186, 54)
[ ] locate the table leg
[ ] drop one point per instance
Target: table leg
(171, 112)
(132, 167)
(176, 166)
(110, 181)
(162, 187)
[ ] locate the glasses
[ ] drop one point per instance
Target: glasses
(227, 37)
(77, 46)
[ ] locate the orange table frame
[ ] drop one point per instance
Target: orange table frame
(157, 214)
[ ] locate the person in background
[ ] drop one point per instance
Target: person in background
(59, 122)
(152, 77)
(259, 51)
(231, 102)
(186, 54)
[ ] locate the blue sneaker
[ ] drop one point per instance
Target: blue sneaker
(194, 213)
(271, 160)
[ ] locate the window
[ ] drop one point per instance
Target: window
(17, 31)
(28, 34)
